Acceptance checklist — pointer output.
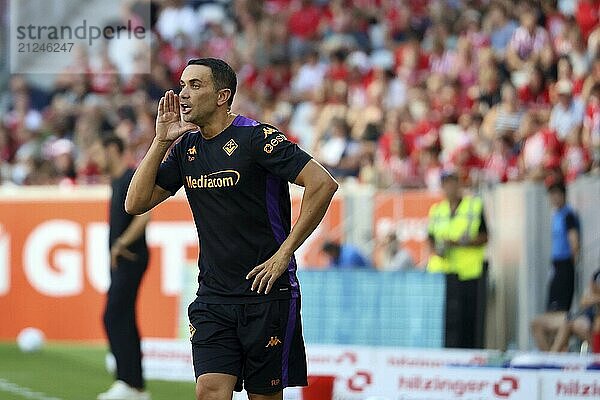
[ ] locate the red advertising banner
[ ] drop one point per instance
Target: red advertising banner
(405, 214)
(54, 262)
(54, 265)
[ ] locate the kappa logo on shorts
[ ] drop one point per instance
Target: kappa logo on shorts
(192, 331)
(274, 341)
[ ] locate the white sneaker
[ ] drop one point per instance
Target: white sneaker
(122, 391)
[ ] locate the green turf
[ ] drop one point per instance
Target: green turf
(70, 372)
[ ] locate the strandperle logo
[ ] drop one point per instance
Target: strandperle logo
(219, 179)
(82, 31)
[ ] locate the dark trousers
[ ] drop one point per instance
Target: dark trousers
(120, 321)
(562, 285)
(465, 312)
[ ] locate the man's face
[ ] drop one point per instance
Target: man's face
(557, 198)
(198, 96)
(451, 187)
(99, 157)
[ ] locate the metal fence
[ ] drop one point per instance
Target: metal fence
(373, 308)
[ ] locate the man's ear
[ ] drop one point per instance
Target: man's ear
(224, 96)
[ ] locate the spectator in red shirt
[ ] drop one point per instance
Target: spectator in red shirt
(338, 70)
(398, 169)
(503, 164)
(535, 95)
(303, 25)
(587, 16)
(541, 152)
(410, 60)
(467, 164)
(591, 125)
(576, 158)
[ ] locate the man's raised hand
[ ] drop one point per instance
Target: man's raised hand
(169, 126)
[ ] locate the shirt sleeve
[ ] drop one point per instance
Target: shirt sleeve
(274, 152)
(168, 176)
(571, 221)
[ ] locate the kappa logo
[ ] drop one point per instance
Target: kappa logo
(192, 331)
(191, 153)
(230, 147)
(274, 341)
(268, 131)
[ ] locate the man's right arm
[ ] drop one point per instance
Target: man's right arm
(143, 193)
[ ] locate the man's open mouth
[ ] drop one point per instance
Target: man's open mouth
(185, 108)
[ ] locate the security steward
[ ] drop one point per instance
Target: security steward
(457, 237)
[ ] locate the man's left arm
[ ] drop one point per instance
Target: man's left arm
(572, 224)
(319, 188)
(133, 232)
(482, 234)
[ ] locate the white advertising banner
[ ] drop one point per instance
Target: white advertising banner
(452, 383)
(374, 373)
(570, 385)
(167, 359)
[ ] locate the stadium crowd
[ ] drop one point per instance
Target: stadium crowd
(386, 92)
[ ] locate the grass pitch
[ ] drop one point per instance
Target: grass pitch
(67, 371)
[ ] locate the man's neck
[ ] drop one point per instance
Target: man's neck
(217, 124)
(454, 202)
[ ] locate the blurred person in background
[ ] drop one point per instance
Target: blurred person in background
(567, 114)
(565, 256)
(576, 159)
(344, 255)
(128, 263)
(527, 42)
(338, 152)
(502, 164)
(457, 234)
(541, 148)
(534, 94)
(591, 126)
(505, 117)
(500, 27)
(583, 323)
(390, 255)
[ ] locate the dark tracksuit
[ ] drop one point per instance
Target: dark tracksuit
(119, 315)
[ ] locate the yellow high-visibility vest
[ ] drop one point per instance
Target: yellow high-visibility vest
(466, 261)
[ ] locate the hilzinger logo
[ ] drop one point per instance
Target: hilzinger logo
(219, 179)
